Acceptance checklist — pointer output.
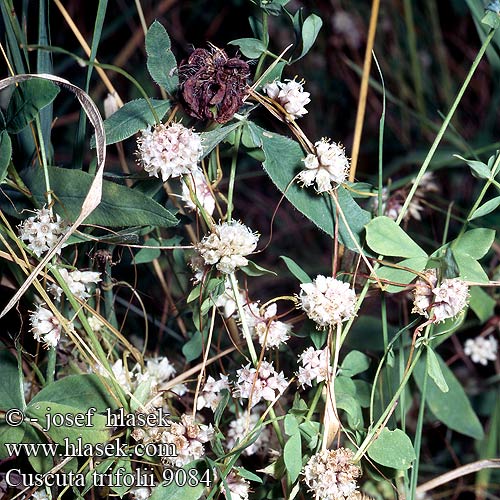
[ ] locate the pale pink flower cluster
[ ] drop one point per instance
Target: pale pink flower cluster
(446, 300)
(210, 396)
(79, 282)
(291, 95)
(238, 487)
(327, 301)
(188, 437)
(315, 366)
(331, 475)
(255, 385)
(227, 246)
(270, 332)
(328, 167)
(242, 426)
(481, 350)
(45, 326)
(169, 150)
(201, 189)
(41, 231)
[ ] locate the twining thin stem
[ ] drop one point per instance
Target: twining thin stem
(232, 175)
(418, 433)
(390, 407)
(445, 124)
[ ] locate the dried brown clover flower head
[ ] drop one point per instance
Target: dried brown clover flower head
(212, 84)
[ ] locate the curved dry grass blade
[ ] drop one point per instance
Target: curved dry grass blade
(492, 463)
(94, 195)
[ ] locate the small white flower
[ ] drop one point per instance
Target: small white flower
(169, 150)
(45, 326)
(41, 231)
(123, 376)
(242, 426)
(227, 246)
(327, 168)
(269, 332)
(95, 323)
(159, 370)
(327, 301)
(315, 366)
(290, 95)
(110, 104)
(450, 299)
(79, 282)
(227, 301)
(238, 487)
(265, 384)
(210, 396)
(202, 191)
(331, 475)
(481, 350)
(140, 493)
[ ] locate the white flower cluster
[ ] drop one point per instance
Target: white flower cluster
(79, 282)
(201, 189)
(169, 150)
(157, 371)
(315, 366)
(41, 231)
(327, 168)
(331, 475)
(45, 326)
(269, 332)
(327, 301)
(264, 384)
(447, 300)
(227, 246)
(291, 95)
(188, 437)
(140, 493)
(210, 396)
(481, 350)
(242, 426)
(238, 487)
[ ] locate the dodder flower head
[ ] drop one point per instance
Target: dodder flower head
(245, 424)
(327, 168)
(227, 246)
(79, 282)
(290, 95)
(212, 84)
(481, 350)
(327, 301)
(45, 326)
(263, 384)
(210, 396)
(238, 487)
(270, 332)
(446, 300)
(41, 231)
(170, 150)
(315, 366)
(189, 438)
(331, 475)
